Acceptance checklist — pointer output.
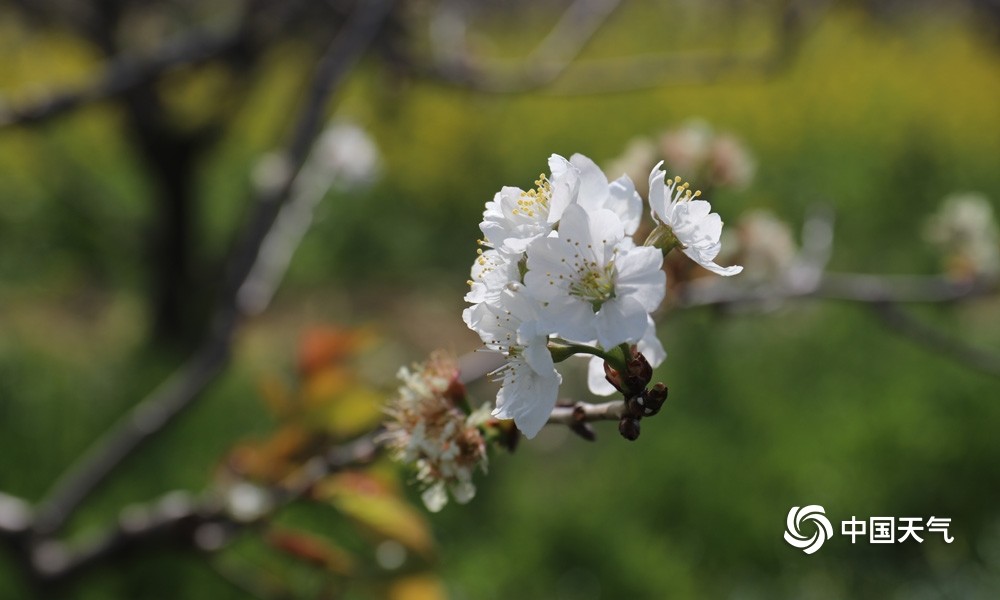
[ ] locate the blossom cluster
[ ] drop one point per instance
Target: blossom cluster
(560, 273)
(693, 150)
(428, 429)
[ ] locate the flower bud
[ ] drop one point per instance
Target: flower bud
(640, 372)
(629, 428)
(614, 377)
(654, 399)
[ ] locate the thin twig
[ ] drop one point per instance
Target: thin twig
(938, 341)
(847, 287)
(186, 384)
(555, 59)
(546, 63)
(583, 412)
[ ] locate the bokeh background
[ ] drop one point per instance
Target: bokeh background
(874, 110)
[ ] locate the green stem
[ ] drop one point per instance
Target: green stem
(561, 350)
(663, 237)
(618, 356)
(626, 353)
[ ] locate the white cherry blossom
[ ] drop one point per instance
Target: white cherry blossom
(529, 381)
(592, 286)
(619, 196)
(514, 218)
(492, 272)
(690, 221)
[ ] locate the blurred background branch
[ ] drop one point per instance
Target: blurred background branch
(184, 387)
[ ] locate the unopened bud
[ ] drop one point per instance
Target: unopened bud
(629, 428)
(613, 377)
(639, 373)
(654, 398)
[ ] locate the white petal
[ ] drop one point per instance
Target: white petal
(575, 225)
(625, 202)
(596, 380)
(650, 345)
(619, 321)
(640, 276)
(571, 318)
(463, 491)
(536, 354)
(435, 497)
(593, 183)
(707, 263)
(558, 166)
(605, 231)
(528, 398)
(658, 193)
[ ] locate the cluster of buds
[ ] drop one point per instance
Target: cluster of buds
(632, 382)
(431, 428)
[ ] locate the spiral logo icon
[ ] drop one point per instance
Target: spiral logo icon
(793, 532)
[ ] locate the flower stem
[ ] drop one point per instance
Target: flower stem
(618, 356)
(561, 350)
(663, 237)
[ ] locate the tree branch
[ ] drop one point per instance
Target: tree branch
(554, 59)
(940, 342)
(121, 75)
(584, 412)
(206, 523)
(186, 384)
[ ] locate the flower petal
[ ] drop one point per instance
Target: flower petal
(596, 381)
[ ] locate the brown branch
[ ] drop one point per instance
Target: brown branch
(153, 413)
(847, 287)
(938, 341)
(554, 60)
(121, 75)
(205, 523)
(807, 280)
(544, 65)
(583, 412)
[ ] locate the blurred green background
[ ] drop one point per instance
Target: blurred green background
(814, 403)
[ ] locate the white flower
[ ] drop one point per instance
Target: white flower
(596, 193)
(514, 218)
(592, 285)
(492, 272)
(730, 163)
(530, 382)
(348, 151)
(764, 244)
(426, 429)
(650, 347)
(687, 147)
(966, 230)
(691, 221)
